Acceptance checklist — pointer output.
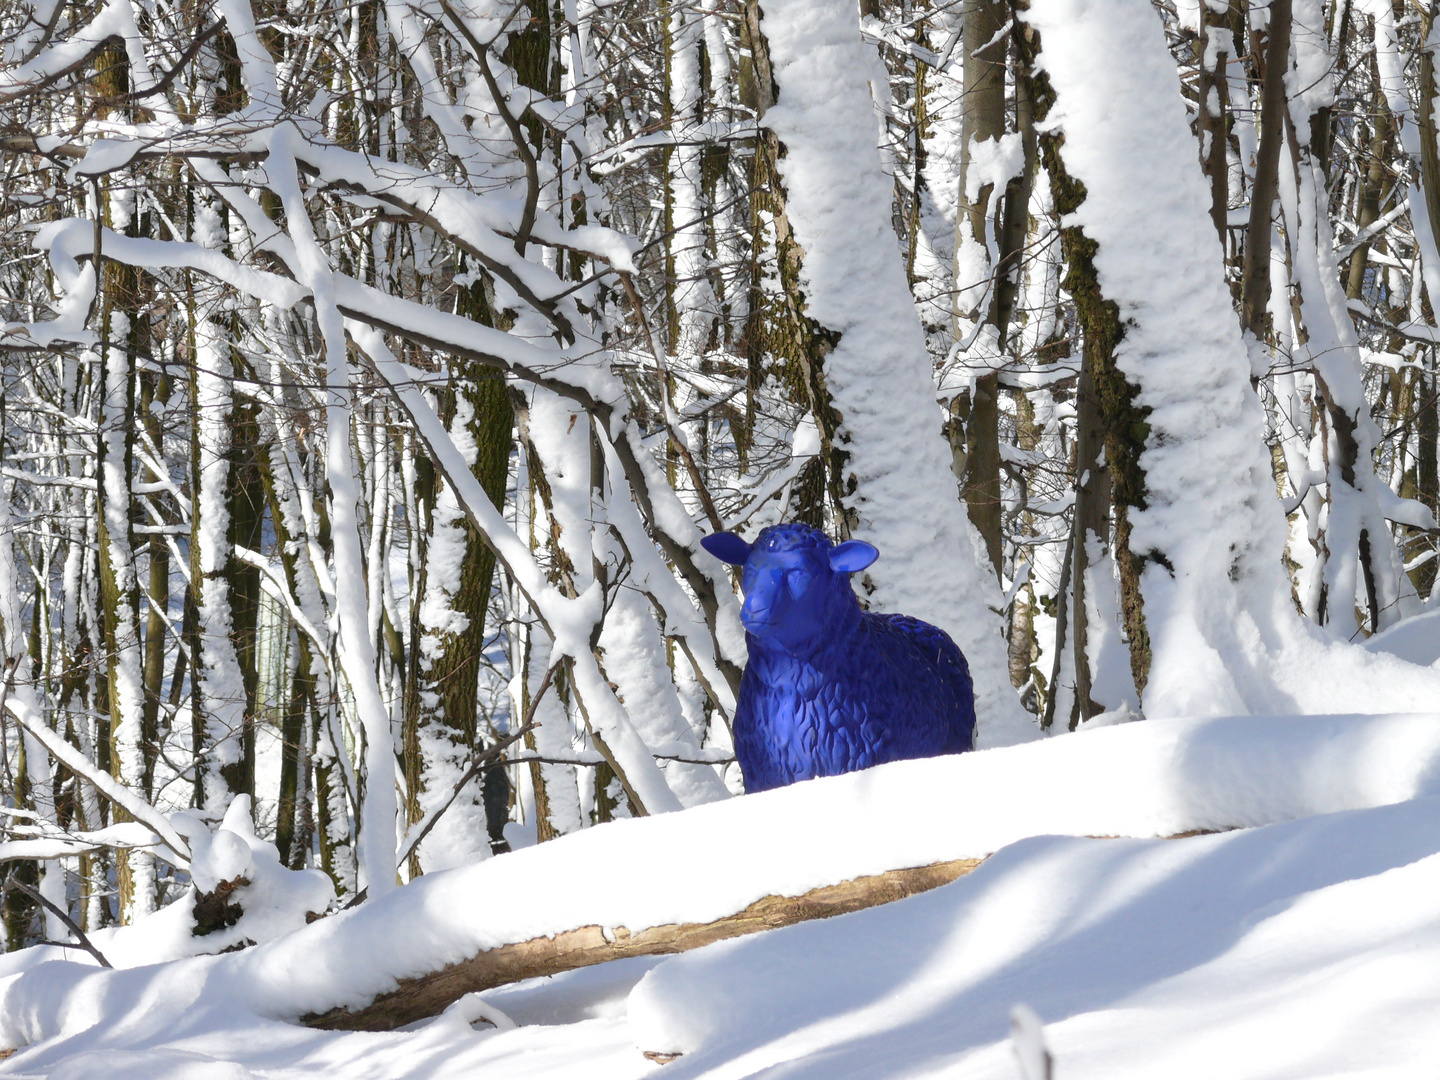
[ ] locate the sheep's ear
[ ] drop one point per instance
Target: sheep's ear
(852, 555)
(727, 547)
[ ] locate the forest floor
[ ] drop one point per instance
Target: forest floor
(1296, 935)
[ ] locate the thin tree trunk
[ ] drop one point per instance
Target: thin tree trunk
(1092, 527)
(985, 46)
(246, 498)
(154, 390)
(1213, 121)
(124, 335)
(1369, 196)
(1274, 45)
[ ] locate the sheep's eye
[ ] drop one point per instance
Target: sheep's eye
(798, 581)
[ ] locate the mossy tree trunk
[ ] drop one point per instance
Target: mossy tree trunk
(124, 335)
(442, 691)
(246, 499)
(1121, 419)
(779, 335)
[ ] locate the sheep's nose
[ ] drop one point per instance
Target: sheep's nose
(754, 611)
(759, 602)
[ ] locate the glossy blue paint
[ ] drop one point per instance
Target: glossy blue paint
(831, 688)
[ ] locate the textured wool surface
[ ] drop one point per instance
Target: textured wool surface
(830, 688)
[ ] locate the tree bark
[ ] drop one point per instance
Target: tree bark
(1092, 526)
(477, 400)
(1369, 196)
(154, 390)
(124, 334)
(1255, 275)
(246, 498)
(1213, 124)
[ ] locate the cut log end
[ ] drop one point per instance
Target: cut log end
(429, 995)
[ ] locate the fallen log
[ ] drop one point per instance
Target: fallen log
(428, 995)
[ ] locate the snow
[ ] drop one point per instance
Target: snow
(1139, 954)
(1302, 943)
(275, 900)
(1416, 640)
(1279, 952)
(993, 163)
(220, 694)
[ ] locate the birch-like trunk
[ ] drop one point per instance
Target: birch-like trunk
(124, 334)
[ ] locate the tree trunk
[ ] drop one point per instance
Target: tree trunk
(985, 46)
(154, 390)
(1213, 122)
(778, 330)
(1274, 45)
(219, 697)
(125, 334)
(475, 406)
(1369, 196)
(1092, 528)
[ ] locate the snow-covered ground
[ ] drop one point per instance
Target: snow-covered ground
(1305, 942)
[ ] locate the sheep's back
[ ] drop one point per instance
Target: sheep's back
(895, 688)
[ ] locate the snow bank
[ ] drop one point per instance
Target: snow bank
(274, 900)
(1307, 949)
(1416, 640)
(1146, 779)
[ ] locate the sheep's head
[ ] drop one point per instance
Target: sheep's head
(797, 584)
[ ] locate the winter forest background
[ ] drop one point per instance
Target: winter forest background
(371, 371)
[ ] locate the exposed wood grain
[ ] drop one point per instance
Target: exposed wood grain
(428, 995)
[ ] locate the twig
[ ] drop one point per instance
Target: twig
(164, 82)
(522, 145)
(12, 882)
(717, 524)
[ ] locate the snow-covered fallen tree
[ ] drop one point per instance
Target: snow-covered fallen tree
(411, 953)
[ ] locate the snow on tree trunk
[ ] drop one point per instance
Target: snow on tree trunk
(457, 573)
(378, 804)
(218, 698)
(120, 596)
(1224, 634)
(898, 481)
(635, 661)
(19, 682)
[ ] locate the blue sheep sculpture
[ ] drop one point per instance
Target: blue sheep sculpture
(830, 688)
